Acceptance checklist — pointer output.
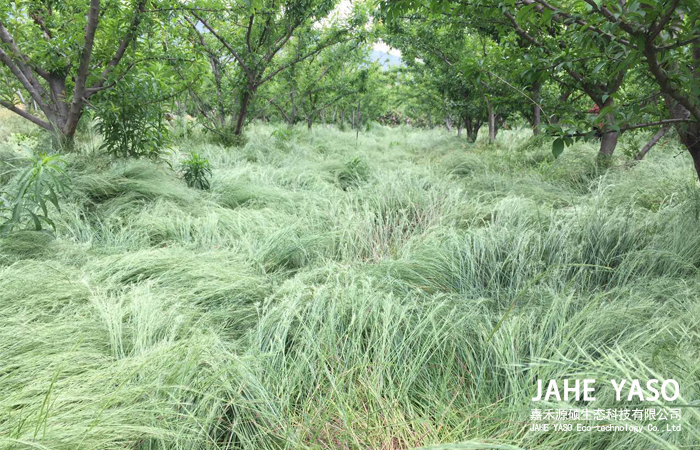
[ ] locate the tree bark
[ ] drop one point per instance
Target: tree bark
(293, 114)
(246, 99)
(491, 120)
(608, 142)
(216, 71)
(472, 127)
(536, 110)
(654, 140)
(694, 150)
(679, 105)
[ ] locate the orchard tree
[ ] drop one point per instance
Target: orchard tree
(660, 38)
(598, 44)
(309, 89)
(468, 68)
(256, 36)
(414, 96)
(62, 53)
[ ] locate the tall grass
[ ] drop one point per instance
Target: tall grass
(404, 290)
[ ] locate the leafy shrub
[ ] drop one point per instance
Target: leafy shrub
(283, 136)
(353, 173)
(41, 183)
(131, 120)
(196, 171)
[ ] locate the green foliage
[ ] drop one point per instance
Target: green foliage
(557, 147)
(38, 186)
(197, 171)
(284, 135)
(131, 121)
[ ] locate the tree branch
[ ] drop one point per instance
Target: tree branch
(665, 82)
(37, 93)
(658, 28)
(93, 18)
(129, 36)
(26, 115)
(233, 52)
(297, 60)
(637, 126)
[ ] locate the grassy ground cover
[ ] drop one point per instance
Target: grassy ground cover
(402, 290)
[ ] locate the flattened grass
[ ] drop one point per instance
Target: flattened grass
(400, 291)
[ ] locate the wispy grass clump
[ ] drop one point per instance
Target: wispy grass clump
(401, 290)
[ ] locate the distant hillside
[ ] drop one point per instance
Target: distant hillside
(387, 60)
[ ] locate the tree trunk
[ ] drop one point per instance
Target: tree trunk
(649, 145)
(608, 142)
(695, 153)
(309, 122)
(293, 115)
(500, 121)
(459, 127)
(214, 63)
(688, 134)
(477, 126)
(536, 110)
(491, 120)
(246, 99)
(359, 116)
(472, 129)
(448, 123)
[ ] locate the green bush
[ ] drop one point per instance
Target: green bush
(131, 120)
(196, 171)
(41, 183)
(283, 136)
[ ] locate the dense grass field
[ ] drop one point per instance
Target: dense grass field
(397, 291)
